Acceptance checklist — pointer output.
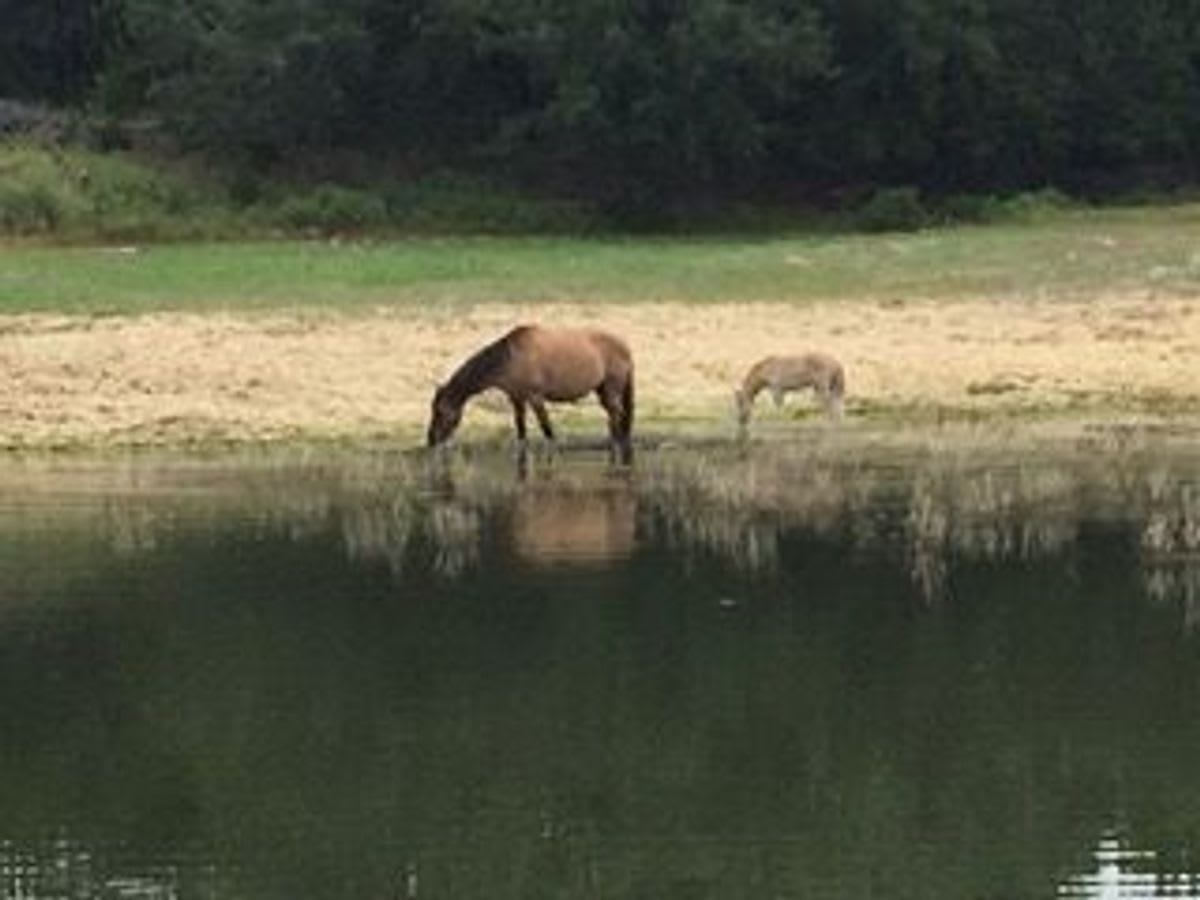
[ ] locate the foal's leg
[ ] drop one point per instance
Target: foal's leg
(835, 405)
(825, 399)
(830, 396)
(832, 401)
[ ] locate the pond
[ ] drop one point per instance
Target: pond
(837, 668)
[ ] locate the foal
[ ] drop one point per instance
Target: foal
(781, 374)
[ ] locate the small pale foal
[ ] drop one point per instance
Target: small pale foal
(781, 374)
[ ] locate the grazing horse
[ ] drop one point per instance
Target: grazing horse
(533, 365)
(780, 374)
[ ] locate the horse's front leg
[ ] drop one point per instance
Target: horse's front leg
(539, 409)
(518, 406)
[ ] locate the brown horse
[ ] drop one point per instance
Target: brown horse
(533, 365)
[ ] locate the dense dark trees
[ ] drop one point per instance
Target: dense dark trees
(51, 49)
(625, 97)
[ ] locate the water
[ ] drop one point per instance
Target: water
(765, 671)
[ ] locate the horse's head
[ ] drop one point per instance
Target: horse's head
(444, 415)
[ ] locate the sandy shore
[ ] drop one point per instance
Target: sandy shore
(179, 378)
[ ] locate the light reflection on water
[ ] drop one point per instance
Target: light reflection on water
(1121, 872)
(727, 671)
(61, 869)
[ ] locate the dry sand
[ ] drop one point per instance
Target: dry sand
(178, 378)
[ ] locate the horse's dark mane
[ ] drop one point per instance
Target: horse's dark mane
(474, 374)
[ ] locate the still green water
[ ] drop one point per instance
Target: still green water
(727, 671)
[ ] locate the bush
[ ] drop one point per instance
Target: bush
(117, 187)
(29, 209)
(450, 202)
(329, 209)
(987, 208)
(971, 209)
(1032, 205)
(892, 209)
(35, 195)
(73, 193)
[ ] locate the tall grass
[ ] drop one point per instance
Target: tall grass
(70, 194)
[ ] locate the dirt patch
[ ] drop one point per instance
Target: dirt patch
(175, 378)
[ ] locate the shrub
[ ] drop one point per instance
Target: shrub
(974, 209)
(987, 208)
(330, 208)
(133, 197)
(892, 209)
(35, 197)
(29, 209)
(77, 193)
(1032, 205)
(450, 202)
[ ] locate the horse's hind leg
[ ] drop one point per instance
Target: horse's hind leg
(539, 409)
(619, 422)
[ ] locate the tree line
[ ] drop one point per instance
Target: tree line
(624, 97)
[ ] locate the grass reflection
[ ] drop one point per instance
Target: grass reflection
(969, 498)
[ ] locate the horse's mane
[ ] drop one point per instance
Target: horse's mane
(473, 375)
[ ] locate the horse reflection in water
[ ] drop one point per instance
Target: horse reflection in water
(557, 522)
(535, 365)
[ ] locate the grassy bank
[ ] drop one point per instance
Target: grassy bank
(1068, 254)
(84, 232)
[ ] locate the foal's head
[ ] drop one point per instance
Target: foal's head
(444, 415)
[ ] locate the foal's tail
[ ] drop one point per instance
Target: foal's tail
(837, 384)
